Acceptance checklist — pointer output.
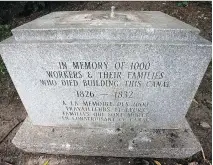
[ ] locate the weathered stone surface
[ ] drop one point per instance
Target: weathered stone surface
(116, 86)
(162, 91)
(6, 127)
(128, 142)
(126, 25)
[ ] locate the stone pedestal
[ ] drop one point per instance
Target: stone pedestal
(97, 83)
(128, 142)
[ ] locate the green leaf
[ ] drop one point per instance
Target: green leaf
(46, 163)
(2, 68)
(185, 3)
(182, 4)
(179, 4)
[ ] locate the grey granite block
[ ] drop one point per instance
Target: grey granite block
(128, 142)
(98, 85)
(126, 25)
(165, 90)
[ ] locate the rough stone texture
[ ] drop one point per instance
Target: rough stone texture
(183, 65)
(6, 127)
(128, 142)
(132, 25)
(176, 57)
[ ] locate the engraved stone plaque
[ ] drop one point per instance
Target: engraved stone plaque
(88, 74)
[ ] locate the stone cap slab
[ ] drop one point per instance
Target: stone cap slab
(90, 25)
(199, 42)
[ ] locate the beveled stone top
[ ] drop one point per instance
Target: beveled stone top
(124, 25)
(102, 19)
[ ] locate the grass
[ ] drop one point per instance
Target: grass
(5, 31)
(3, 69)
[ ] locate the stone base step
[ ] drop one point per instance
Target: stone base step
(158, 143)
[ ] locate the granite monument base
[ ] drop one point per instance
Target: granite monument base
(158, 143)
